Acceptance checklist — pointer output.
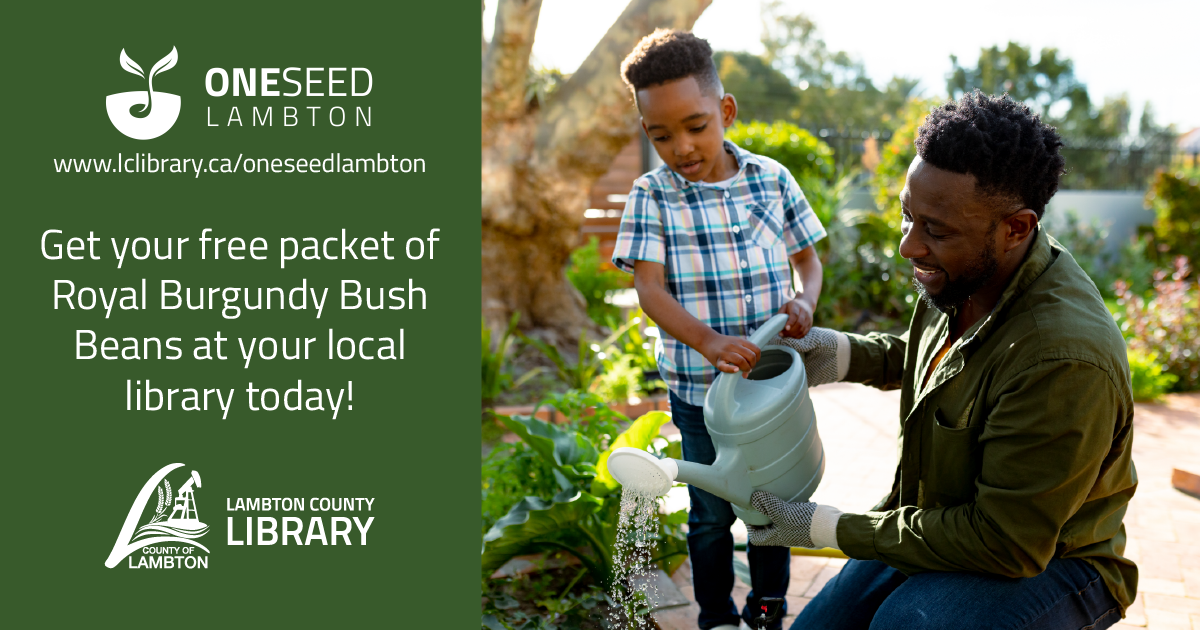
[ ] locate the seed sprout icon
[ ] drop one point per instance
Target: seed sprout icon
(159, 110)
(164, 64)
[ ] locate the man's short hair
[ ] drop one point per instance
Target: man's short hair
(1008, 149)
(667, 55)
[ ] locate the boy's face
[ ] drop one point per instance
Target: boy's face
(687, 125)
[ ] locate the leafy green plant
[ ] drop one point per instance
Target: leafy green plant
(1086, 242)
(1149, 381)
(796, 149)
(1166, 325)
(1175, 199)
(510, 472)
(824, 196)
(581, 519)
(541, 602)
(588, 365)
(496, 378)
(628, 363)
(635, 343)
(587, 273)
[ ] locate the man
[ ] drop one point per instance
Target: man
(1016, 413)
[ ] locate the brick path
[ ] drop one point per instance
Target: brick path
(858, 427)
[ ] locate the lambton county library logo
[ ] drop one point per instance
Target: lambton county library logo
(175, 520)
(144, 115)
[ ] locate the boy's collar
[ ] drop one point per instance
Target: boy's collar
(742, 156)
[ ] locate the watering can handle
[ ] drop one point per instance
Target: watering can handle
(720, 394)
(768, 331)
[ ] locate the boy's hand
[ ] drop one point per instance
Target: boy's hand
(800, 318)
(730, 354)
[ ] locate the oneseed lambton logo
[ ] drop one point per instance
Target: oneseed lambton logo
(176, 519)
(144, 115)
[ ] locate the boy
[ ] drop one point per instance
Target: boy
(708, 237)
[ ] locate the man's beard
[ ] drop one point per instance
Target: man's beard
(957, 291)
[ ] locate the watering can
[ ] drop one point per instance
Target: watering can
(764, 431)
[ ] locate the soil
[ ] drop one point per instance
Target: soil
(527, 590)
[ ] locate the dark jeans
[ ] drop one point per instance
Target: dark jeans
(710, 542)
(1069, 594)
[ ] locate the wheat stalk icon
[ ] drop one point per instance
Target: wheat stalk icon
(160, 510)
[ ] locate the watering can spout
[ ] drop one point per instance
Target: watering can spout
(642, 472)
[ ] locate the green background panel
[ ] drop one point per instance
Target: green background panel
(73, 458)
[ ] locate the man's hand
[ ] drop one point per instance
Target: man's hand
(800, 318)
(826, 354)
(794, 524)
(730, 354)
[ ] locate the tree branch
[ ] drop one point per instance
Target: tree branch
(592, 117)
(507, 58)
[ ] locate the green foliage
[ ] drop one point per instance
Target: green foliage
(496, 378)
(1086, 242)
(1175, 199)
(1041, 83)
(541, 84)
(584, 513)
(762, 92)
(532, 609)
(512, 471)
(1149, 381)
(587, 274)
(587, 367)
(831, 89)
(796, 149)
(626, 362)
(1166, 325)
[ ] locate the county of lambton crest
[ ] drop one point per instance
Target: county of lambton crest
(175, 519)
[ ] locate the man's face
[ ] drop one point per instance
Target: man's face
(949, 234)
(686, 125)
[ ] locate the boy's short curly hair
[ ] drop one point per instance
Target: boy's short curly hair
(1008, 149)
(667, 55)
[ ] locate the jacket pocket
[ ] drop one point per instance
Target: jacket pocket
(954, 463)
(766, 224)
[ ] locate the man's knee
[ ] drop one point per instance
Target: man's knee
(909, 610)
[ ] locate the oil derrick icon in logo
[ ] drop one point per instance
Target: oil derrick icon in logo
(175, 519)
(143, 115)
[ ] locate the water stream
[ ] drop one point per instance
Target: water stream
(634, 587)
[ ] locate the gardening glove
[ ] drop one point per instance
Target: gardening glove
(794, 524)
(826, 354)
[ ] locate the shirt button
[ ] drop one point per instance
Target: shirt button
(748, 298)
(727, 194)
(745, 264)
(737, 228)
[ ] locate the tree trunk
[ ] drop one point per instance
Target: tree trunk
(540, 163)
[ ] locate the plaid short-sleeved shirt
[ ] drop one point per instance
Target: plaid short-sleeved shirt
(725, 248)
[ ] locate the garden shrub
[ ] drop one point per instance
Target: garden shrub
(1149, 381)
(586, 273)
(581, 517)
(1175, 199)
(796, 149)
(1166, 325)
(1086, 242)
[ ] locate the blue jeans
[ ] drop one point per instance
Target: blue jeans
(710, 542)
(1069, 594)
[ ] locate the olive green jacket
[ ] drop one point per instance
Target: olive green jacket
(1019, 449)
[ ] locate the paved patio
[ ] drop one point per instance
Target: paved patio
(858, 427)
